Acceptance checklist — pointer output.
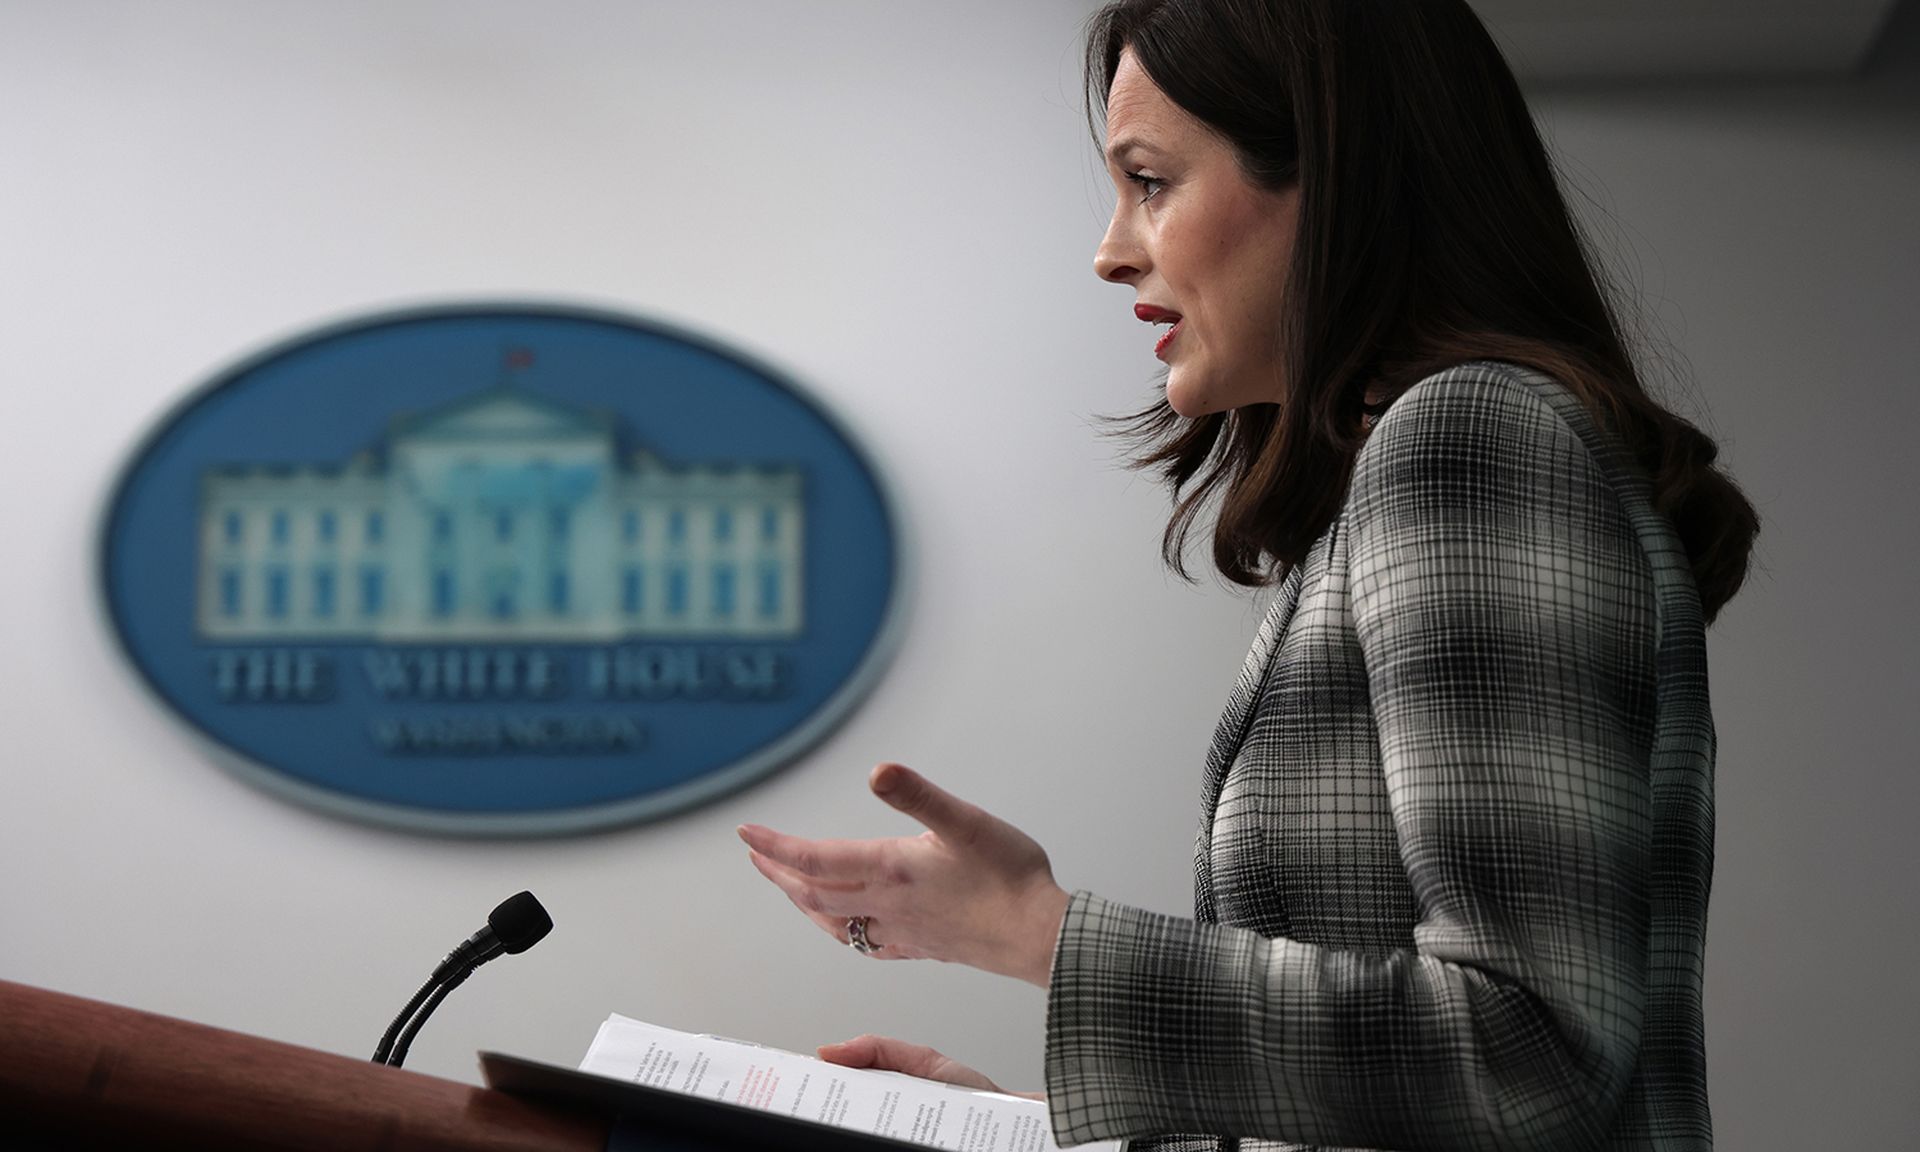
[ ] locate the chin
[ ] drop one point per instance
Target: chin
(1185, 402)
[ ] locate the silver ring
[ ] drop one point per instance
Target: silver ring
(857, 937)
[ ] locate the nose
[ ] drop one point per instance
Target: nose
(1119, 258)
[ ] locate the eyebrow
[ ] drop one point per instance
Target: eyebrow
(1126, 144)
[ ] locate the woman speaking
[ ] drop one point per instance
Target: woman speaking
(1456, 834)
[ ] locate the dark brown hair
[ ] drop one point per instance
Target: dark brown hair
(1432, 231)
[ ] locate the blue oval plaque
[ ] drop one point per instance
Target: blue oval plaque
(503, 569)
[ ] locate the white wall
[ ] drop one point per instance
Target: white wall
(897, 203)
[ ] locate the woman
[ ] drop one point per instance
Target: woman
(1456, 836)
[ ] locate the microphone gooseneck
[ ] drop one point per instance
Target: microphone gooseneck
(400, 1021)
(515, 925)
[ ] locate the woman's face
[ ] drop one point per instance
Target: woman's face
(1204, 250)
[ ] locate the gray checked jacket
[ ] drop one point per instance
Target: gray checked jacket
(1456, 826)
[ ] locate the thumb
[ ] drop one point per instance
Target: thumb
(884, 1052)
(951, 817)
(859, 1052)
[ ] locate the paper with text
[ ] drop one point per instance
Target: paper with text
(890, 1104)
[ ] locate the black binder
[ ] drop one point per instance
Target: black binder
(656, 1120)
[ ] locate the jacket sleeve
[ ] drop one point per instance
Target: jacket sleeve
(1504, 609)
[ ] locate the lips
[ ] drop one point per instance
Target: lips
(1153, 315)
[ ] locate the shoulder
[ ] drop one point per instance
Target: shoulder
(1485, 486)
(1484, 422)
(1483, 394)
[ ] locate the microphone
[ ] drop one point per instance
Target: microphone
(515, 925)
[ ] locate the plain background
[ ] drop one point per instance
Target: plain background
(897, 203)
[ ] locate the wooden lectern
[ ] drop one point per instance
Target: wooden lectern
(79, 1074)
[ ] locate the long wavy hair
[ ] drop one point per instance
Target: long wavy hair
(1432, 231)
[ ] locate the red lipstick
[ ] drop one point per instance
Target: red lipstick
(1153, 315)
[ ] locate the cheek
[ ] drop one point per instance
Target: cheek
(1230, 268)
(1250, 281)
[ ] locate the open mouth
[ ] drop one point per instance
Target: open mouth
(1152, 314)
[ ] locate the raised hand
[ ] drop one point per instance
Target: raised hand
(971, 889)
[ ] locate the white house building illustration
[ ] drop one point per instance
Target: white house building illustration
(501, 518)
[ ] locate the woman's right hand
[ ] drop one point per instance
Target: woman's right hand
(890, 1055)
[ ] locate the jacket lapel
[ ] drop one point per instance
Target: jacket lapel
(1232, 732)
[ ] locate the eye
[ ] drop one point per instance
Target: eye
(1150, 186)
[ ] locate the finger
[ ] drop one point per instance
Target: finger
(885, 1052)
(844, 864)
(946, 814)
(914, 1060)
(858, 1052)
(821, 904)
(826, 911)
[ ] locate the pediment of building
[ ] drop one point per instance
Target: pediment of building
(502, 415)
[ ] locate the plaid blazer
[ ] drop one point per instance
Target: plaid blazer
(1457, 825)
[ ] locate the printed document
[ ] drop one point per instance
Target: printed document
(890, 1104)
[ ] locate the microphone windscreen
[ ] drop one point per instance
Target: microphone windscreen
(519, 923)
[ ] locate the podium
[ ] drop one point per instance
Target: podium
(80, 1074)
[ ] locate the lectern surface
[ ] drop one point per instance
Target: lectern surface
(80, 1074)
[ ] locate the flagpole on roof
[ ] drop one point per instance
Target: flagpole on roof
(514, 359)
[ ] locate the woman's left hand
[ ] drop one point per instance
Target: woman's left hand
(972, 889)
(890, 1055)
